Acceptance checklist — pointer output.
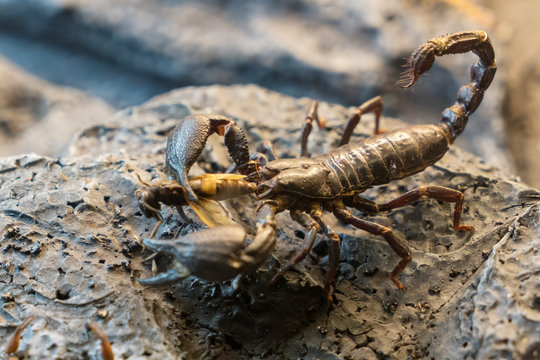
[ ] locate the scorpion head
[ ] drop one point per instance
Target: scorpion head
(304, 177)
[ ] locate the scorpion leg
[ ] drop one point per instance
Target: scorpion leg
(334, 250)
(440, 193)
(360, 203)
(398, 245)
(375, 105)
(309, 240)
(264, 155)
(308, 125)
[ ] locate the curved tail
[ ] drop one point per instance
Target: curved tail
(469, 96)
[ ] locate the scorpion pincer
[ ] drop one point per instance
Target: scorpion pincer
(330, 182)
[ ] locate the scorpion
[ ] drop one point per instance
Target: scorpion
(306, 186)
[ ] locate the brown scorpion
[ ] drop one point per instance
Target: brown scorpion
(308, 186)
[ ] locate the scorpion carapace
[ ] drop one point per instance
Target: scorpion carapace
(333, 181)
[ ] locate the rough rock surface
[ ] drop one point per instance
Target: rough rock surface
(36, 116)
(69, 247)
(498, 314)
(338, 51)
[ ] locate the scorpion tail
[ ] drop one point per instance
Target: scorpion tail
(469, 96)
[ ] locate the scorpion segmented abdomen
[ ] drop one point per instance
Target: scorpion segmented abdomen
(383, 158)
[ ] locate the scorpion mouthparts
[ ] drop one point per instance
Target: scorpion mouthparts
(265, 189)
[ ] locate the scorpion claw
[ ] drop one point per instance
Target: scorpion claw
(177, 273)
(187, 140)
(262, 246)
(186, 143)
(215, 254)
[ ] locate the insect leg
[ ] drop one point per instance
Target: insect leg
(267, 149)
(182, 214)
(399, 246)
(375, 105)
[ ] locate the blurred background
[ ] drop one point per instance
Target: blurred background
(68, 64)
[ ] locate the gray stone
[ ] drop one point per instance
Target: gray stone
(497, 316)
(339, 51)
(36, 116)
(70, 235)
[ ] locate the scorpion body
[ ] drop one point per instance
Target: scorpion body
(334, 181)
(383, 158)
(351, 169)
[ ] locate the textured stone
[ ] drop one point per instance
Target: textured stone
(36, 116)
(498, 314)
(69, 248)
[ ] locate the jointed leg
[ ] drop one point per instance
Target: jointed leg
(397, 244)
(159, 222)
(334, 251)
(267, 149)
(308, 125)
(375, 105)
(440, 193)
(309, 240)
(360, 203)
(436, 192)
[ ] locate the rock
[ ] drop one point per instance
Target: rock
(70, 235)
(338, 51)
(36, 116)
(500, 304)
